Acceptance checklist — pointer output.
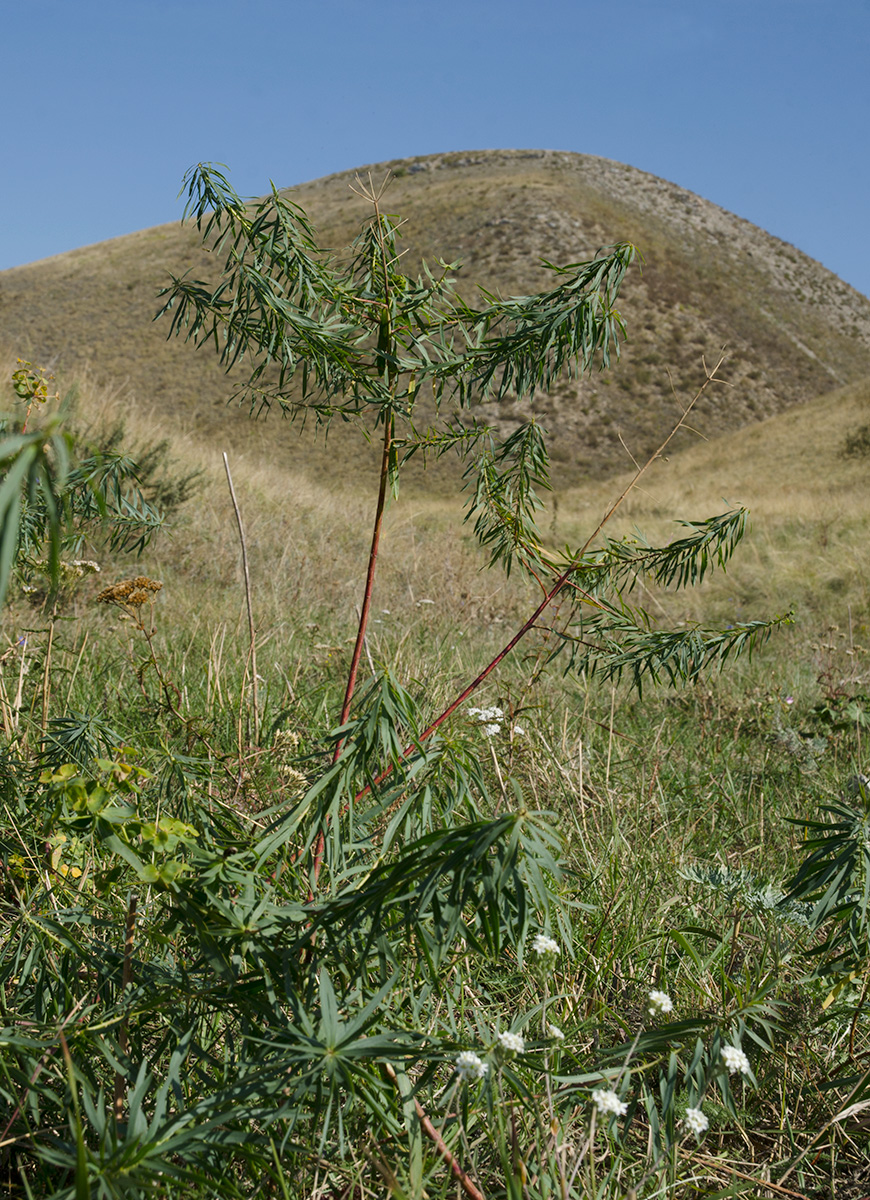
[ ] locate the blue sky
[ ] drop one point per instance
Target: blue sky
(762, 106)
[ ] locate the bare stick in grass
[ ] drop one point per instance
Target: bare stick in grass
(252, 653)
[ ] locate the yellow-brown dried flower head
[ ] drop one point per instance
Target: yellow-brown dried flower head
(132, 592)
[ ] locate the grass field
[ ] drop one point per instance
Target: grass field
(186, 1044)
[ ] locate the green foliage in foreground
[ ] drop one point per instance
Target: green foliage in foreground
(424, 948)
(185, 1015)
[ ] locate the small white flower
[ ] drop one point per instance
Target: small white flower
(696, 1121)
(544, 945)
(555, 1032)
(607, 1101)
(419, 602)
(486, 716)
(470, 1066)
(491, 730)
(518, 731)
(659, 1002)
(513, 1043)
(735, 1060)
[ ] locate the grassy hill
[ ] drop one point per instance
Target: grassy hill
(808, 498)
(680, 815)
(793, 330)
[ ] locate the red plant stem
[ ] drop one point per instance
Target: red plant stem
(555, 589)
(487, 670)
(441, 1146)
(363, 618)
(370, 579)
(384, 345)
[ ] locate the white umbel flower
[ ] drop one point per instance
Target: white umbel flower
(541, 944)
(470, 1066)
(555, 1032)
(490, 720)
(513, 1043)
(607, 1101)
(696, 1121)
(659, 1002)
(735, 1060)
(487, 714)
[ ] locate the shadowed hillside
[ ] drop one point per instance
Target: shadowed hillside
(793, 330)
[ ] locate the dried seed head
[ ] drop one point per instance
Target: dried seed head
(132, 592)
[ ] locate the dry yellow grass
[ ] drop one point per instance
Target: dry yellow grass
(807, 546)
(708, 278)
(809, 507)
(308, 545)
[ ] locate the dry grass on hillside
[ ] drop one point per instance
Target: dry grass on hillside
(807, 547)
(809, 504)
(308, 546)
(708, 279)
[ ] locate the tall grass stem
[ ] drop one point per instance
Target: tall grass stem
(254, 725)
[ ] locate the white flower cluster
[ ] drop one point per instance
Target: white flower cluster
(607, 1101)
(659, 1003)
(490, 721)
(735, 1060)
(555, 1032)
(70, 570)
(294, 782)
(470, 1066)
(544, 945)
(696, 1121)
(489, 718)
(512, 1043)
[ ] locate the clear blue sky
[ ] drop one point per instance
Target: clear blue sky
(762, 106)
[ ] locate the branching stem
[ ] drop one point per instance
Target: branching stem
(557, 587)
(385, 348)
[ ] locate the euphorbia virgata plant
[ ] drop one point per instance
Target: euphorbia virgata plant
(352, 337)
(289, 983)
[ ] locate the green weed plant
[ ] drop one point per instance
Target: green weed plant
(427, 948)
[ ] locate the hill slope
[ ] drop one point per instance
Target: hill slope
(809, 504)
(793, 330)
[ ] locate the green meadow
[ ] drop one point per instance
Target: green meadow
(602, 932)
